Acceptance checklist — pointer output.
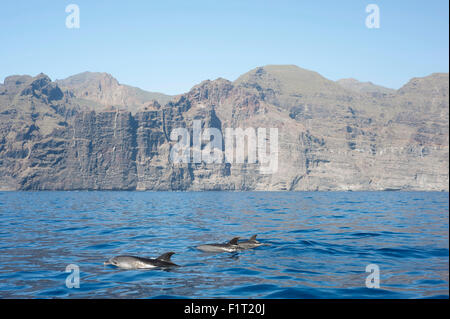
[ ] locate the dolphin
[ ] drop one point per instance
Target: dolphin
(231, 246)
(133, 262)
(250, 243)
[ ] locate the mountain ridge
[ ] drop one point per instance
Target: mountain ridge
(330, 138)
(106, 91)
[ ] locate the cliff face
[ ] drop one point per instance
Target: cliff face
(329, 137)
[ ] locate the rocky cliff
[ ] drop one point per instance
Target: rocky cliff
(100, 92)
(332, 135)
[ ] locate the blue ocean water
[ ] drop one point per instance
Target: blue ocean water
(318, 244)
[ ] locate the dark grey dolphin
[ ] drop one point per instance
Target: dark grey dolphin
(231, 246)
(250, 243)
(133, 262)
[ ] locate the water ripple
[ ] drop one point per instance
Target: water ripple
(317, 245)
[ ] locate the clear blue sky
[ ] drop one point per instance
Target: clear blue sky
(169, 46)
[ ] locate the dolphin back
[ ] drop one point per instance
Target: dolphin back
(166, 256)
(234, 241)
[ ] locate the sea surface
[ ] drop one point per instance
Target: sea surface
(318, 244)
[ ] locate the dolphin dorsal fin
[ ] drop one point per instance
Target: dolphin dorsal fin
(253, 238)
(234, 241)
(166, 256)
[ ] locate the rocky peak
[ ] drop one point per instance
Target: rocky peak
(41, 86)
(364, 87)
(286, 78)
(106, 91)
(39, 81)
(210, 92)
(14, 83)
(433, 84)
(89, 78)
(16, 80)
